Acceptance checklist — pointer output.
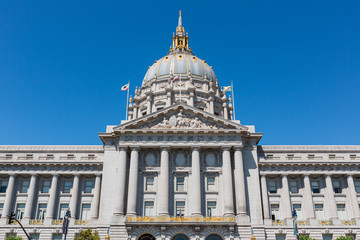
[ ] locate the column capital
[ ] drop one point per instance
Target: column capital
(263, 175)
(76, 174)
(135, 148)
(165, 148)
(225, 148)
(196, 148)
(12, 174)
(350, 175)
(284, 175)
(55, 174)
(327, 175)
(122, 148)
(98, 174)
(238, 148)
(307, 175)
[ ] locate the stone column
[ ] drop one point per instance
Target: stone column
(133, 181)
(29, 206)
(195, 189)
(135, 112)
(75, 196)
(52, 198)
(119, 191)
(148, 105)
(163, 183)
(239, 182)
(96, 199)
(265, 197)
(9, 196)
(308, 204)
(191, 95)
(225, 109)
(330, 197)
(227, 180)
(285, 197)
(352, 196)
(168, 97)
(211, 104)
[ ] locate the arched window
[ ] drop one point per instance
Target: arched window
(146, 236)
(180, 237)
(214, 237)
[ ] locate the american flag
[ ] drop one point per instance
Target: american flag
(176, 77)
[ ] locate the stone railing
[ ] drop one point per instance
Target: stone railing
(302, 222)
(325, 222)
(81, 222)
(279, 222)
(57, 222)
(36, 221)
(169, 219)
(348, 222)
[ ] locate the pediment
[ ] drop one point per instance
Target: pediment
(181, 116)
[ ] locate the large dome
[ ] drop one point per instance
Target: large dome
(179, 63)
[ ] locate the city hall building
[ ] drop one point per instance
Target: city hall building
(181, 168)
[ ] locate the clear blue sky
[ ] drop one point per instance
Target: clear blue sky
(295, 64)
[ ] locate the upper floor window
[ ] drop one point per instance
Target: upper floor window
(149, 208)
(357, 185)
(336, 186)
(319, 211)
(210, 184)
(315, 186)
(297, 208)
(180, 184)
(293, 185)
(89, 185)
(67, 185)
(85, 212)
(211, 208)
(272, 186)
(341, 211)
(1, 209)
(41, 211)
(3, 186)
(24, 186)
(20, 209)
(62, 210)
(149, 184)
(46, 186)
(180, 208)
(275, 212)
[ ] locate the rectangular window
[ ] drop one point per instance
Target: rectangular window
(149, 184)
(319, 211)
(336, 186)
(272, 186)
(327, 236)
(89, 185)
(357, 185)
(85, 212)
(57, 236)
(293, 186)
(180, 184)
(353, 236)
(275, 213)
(210, 184)
(297, 208)
(211, 209)
(62, 211)
(34, 236)
(315, 187)
(46, 186)
(1, 209)
(180, 209)
(41, 214)
(3, 186)
(280, 237)
(341, 211)
(24, 186)
(20, 209)
(149, 208)
(67, 186)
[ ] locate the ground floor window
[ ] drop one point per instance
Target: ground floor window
(214, 237)
(146, 237)
(35, 236)
(327, 236)
(57, 236)
(180, 237)
(280, 237)
(85, 212)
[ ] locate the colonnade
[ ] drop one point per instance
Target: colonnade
(308, 210)
(195, 190)
(34, 188)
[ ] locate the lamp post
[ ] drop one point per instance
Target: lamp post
(107, 237)
(294, 216)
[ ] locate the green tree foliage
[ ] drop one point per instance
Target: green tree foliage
(305, 237)
(88, 234)
(13, 237)
(344, 238)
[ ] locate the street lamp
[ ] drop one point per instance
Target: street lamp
(294, 216)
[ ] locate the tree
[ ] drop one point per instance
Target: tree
(345, 238)
(305, 237)
(13, 237)
(88, 234)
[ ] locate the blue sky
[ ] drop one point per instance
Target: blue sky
(295, 65)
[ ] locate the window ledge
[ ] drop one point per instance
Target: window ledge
(274, 195)
(340, 195)
(295, 194)
(318, 195)
(181, 192)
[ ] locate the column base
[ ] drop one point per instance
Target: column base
(117, 219)
(243, 218)
(268, 222)
(48, 221)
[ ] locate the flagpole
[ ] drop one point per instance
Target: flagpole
(127, 100)
(180, 87)
(233, 98)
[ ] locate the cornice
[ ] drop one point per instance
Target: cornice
(52, 148)
(310, 148)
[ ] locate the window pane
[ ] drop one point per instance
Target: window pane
(280, 237)
(297, 208)
(3, 186)
(327, 237)
(180, 208)
(46, 186)
(149, 209)
(1, 209)
(357, 185)
(20, 208)
(149, 184)
(24, 186)
(341, 211)
(89, 185)
(336, 186)
(67, 186)
(315, 187)
(319, 211)
(275, 213)
(272, 187)
(293, 186)
(41, 211)
(180, 184)
(34, 236)
(211, 184)
(85, 212)
(211, 209)
(57, 236)
(63, 208)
